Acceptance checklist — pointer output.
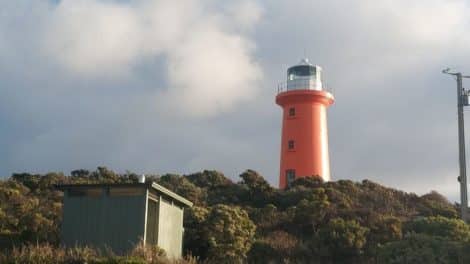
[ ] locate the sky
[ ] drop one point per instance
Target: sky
(178, 86)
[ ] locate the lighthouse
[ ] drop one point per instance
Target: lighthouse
(304, 140)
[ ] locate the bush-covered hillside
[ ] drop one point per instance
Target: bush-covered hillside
(251, 222)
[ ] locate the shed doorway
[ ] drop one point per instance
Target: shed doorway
(152, 223)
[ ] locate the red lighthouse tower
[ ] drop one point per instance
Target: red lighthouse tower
(304, 142)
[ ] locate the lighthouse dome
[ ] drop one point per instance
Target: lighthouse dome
(304, 76)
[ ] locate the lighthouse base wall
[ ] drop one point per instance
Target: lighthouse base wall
(304, 141)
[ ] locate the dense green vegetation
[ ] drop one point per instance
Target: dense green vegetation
(251, 222)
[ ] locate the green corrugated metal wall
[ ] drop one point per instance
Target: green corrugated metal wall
(114, 222)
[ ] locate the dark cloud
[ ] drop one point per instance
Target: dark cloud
(140, 105)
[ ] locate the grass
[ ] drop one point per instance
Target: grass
(49, 254)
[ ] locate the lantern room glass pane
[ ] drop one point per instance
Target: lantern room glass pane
(301, 71)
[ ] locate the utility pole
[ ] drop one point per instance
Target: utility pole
(462, 100)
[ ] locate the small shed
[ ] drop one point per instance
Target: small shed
(119, 216)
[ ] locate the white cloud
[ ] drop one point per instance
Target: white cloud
(212, 71)
(244, 13)
(431, 22)
(211, 68)
(93, 37)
